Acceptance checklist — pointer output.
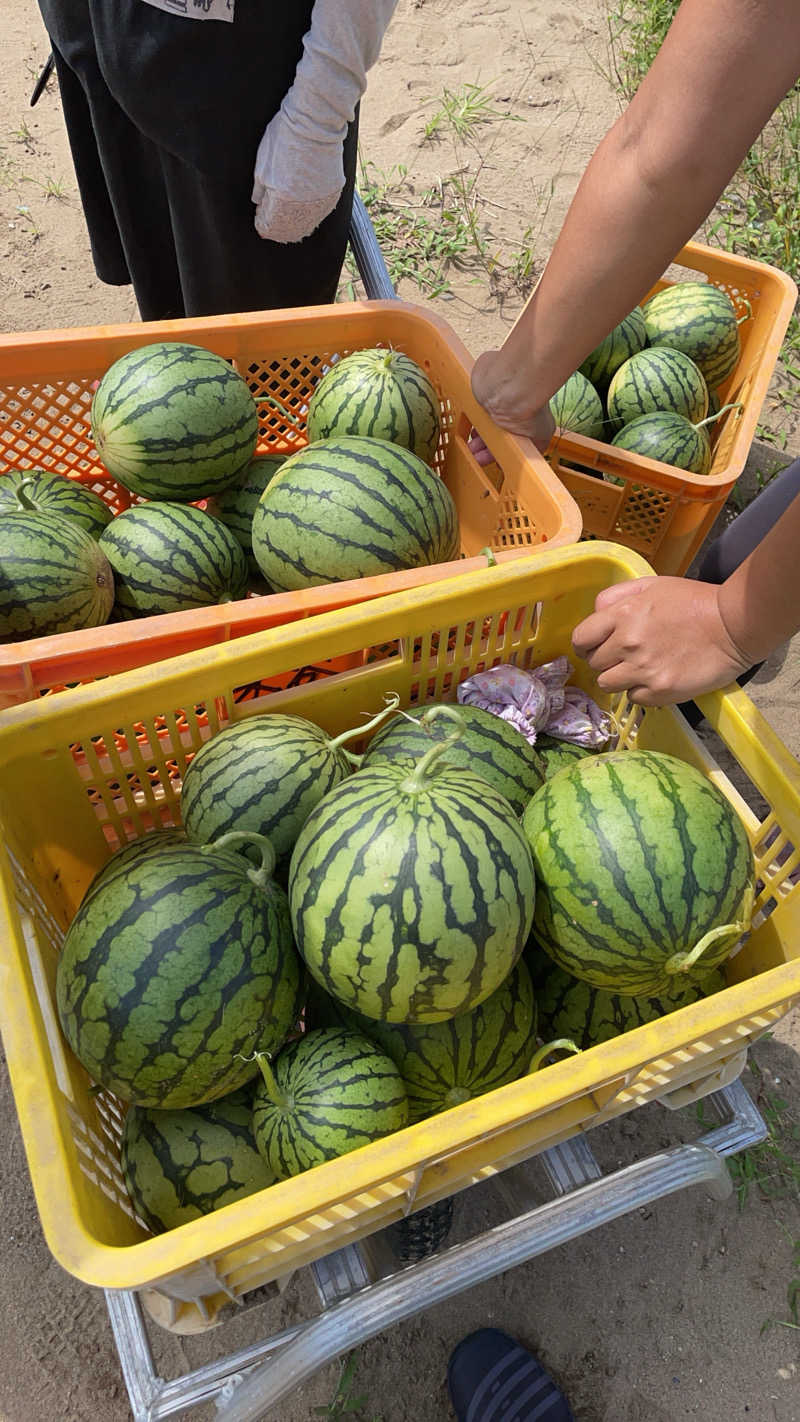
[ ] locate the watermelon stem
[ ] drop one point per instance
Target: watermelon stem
(262, 876)
(746, 315)
(276, 1096)
(709, 420)
(25, 500)
(683, 962)
(562, 1044)
(491, 561)
(420, 775)
(392, 703)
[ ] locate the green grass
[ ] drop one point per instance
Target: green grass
(770, 1170)
(464, 111)
(344, 1403)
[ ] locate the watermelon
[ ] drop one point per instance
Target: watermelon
(350, 507)
(181, 1165)
(577, 406)
(488, 746)
(54, 577)
(555, 754)
(625, 340)
(669, 437)
(699, 319)
(45, 492)
(265, 774)
(174, 421)
(156, 840)
(328, 1093)
(167, 558)
(174, 971)
(587, 1015)
(657, 379)
(410, 890)
(381, 393)
(446, 1063)
(236, 505)
(643, 871)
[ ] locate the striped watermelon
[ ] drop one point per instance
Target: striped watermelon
(181, 1165)
(174, 971)
(350, 507)
(410, 890)
(446, 1063)
(643, 871)
(54, 577)
(236, 505)
(489, 746)
(657, 379)
(625, 340)
(587, 1015)
(328, 1093)
(577, 406)
(265, 774)
(555, 754)
(380, 393)
(167, 557)
(174, 421)
(669, 437)
(45, 492)
(699, 319)
(156, 841)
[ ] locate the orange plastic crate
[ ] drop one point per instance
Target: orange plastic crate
(46, 386)
(662, 512)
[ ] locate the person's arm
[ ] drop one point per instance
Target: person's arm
(720, 73)
(666, 640)
(299, 169)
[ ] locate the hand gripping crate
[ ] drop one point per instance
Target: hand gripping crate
(666, 513)
(46, 387)
(99, 765)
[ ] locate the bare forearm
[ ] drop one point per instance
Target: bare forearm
(760, 602)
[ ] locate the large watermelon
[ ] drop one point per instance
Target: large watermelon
(174, 971)
(643, 871)
(577, 406)
(669, 437)
(657, 378)
(328, 1093)
(174, 421)
(410, 890)
(156, 841)
(54, 577)
(45, 492)
(181, 1165)
(236, 505)
(167, 558)
(381, 393)
(350, 507)
(625, 339)
(588, 1015)
(488, 745)
(699, 319)
(446, 1063)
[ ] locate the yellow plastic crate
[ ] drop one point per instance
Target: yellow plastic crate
(82, 772)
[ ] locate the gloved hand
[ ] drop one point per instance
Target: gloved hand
(299, 170)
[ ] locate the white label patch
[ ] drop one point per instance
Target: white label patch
(196, 9)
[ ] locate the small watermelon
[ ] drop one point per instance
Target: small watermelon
(625, 340)
(54, 577)
(181, 1165)
(410, 890)
(174, 421)
(167, 558)
(236, 505)
(488, 746)
(174, 971)
(350, 507)
(657, 378)
(45, 492)
(643, 871)
(328, 1093)
(555, 754)
(587, 1015)
(381, 393)
(577, 406)
(444, 1064)
(668, 437)
(699, 319)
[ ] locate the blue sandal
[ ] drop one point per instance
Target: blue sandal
(492, 1378)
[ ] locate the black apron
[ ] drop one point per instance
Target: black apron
(164, 117)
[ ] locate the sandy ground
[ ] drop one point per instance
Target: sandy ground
(660, 1316)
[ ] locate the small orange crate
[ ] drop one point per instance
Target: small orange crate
(662, 512)
(46, 387)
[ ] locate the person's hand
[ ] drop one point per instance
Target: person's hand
(297, 180)
(661, 639)
(493, 388)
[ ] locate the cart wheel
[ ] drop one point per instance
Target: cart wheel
(421, 1234)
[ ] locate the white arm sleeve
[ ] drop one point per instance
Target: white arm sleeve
(299, 170)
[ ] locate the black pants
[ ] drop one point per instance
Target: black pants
(164, 116)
